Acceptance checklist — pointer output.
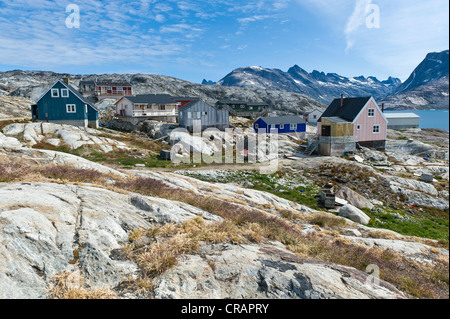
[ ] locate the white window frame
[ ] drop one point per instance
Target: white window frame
(378, 126)
(371, 113)
(71, 108)
(189, 115)
(55, 91)
(256, 126)
(293, 127)
(281, 126)
(64, 92)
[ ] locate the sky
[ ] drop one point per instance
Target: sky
(207, 39)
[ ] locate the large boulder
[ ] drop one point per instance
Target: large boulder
(355, 214)
(265, 271)
(354, 198)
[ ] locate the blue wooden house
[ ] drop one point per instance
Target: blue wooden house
(284, 124)
(63, 104)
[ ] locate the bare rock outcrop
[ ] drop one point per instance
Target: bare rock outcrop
(48, 228)
(266, 271)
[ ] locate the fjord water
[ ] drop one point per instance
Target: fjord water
(430, 118)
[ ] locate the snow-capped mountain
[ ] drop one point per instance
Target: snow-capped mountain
(434, 67)
(427, 87)
(318, 85)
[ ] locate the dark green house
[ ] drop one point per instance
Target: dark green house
(63, 104)
(244, 109)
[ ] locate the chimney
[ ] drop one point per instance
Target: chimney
(382, 107)
(67, 80)
(342, 100)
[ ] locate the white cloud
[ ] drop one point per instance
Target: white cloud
(356, 20)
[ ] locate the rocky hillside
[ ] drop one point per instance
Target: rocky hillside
(32, 84)
(102, 219)
(318, 85)
(427, 87)
(14, 107)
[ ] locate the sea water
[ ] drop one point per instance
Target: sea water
(430, 118)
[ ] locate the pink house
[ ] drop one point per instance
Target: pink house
(359, 120)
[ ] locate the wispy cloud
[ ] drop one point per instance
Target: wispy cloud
(356, 20)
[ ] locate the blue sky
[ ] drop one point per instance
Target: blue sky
(196, 39)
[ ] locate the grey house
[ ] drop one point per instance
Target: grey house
(402, 121)
(208, 116)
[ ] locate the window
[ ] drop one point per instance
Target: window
(204, 113)
(293, 127)
(162, 107)
(376, 129)
(358, 128)
(55, 93)
(256, 126)
(272, 127)
(281, 126)
(189, 115)
(71, 108)
(371, 112)
(315, 117)
(64, 93)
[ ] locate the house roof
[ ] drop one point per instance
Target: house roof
(231, 102)
(283, 120)
(185, 98)
(335, 119)
(192, 103)
(113, 83)
(151, 99)
(349, 111)
(315, 110)
(257, 104)
(401, 115)
(87, 82)
(106, 82)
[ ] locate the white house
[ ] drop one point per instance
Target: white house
(402, 121)
(312, 117)
(137, 108)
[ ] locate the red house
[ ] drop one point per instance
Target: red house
(106, 88)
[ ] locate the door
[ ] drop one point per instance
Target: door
(34, 113)
(326, 130)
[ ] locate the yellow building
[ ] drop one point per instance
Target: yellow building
(336, 137)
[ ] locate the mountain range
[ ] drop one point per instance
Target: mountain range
(293, 92)
(318, 85)
(427, 87)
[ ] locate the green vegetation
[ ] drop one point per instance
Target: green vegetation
(244, 224)
(294, 188)
(420, 224)
(124, 158)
